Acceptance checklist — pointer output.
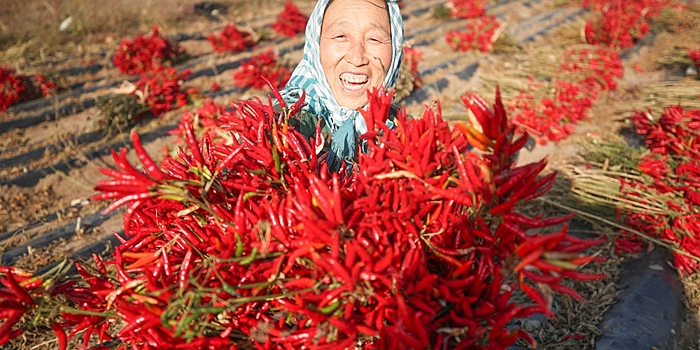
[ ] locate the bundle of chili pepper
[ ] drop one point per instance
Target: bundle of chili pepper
(478, 35)
(290, 22)
(16, 88)
(694, 55)
(231, 39)
(162, 91)
(153, 94)
(254, 72)
(409, 76)
(411, 58)
(145, 53)
(252, 243)
(467, 8)
(672, 175)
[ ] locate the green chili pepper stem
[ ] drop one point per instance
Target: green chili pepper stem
(71, 310)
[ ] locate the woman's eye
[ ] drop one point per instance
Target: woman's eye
(376, 39)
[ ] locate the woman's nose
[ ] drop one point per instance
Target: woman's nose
(357, 54)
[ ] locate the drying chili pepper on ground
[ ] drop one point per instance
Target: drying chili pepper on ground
(671, 170)
(16, 88)
(145, 53)
(467, 8)
(479, 34)
(254, 72)
(582, 75)
(621, 23)
(290, 22)
(231, 39)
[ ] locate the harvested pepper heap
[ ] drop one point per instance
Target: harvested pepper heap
(253, 244)
(17, 88)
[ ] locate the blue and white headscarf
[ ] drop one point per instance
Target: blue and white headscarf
(309, 76)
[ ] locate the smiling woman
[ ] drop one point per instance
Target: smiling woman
(355, 49)
(351, 46)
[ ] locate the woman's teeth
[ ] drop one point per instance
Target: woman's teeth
(353, 82)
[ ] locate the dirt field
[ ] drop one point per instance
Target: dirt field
(50, 149)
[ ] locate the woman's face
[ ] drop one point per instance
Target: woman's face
(355, 49)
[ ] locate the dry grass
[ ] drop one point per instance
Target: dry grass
(656, 97)
(21, 207)
(29, 28)
(688, 339)
(575, 325)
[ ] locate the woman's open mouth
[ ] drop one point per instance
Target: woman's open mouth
(354, 82)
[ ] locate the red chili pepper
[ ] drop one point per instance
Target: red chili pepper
(144, 260)
(129, 198)
(151, 167)
(185, 269)
(543, 240)
(61, 335)
(503, 207)
(542, 186)
(123, 163)
(566, 290)
(537, 298)
(479, 107)
(15, 271)
(99, 263)
(385, 261)
(580, 276)
(10, 283)
(529, 259)
(9, 307)
(520, 142)
(6, 332)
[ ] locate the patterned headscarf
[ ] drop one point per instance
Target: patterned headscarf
(309, 76)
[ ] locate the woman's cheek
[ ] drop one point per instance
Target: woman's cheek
(383, 55)
(333, 54)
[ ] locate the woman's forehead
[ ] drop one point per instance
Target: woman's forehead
(337, 8)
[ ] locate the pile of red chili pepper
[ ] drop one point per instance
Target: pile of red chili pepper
(467, 8)
(162, 91)
(621, 23)
(478, 35)
(16, 88)
(231, 39)
(253, 243)
(254, 72)
(409, 76)
(671, 170)
(145, 53)
(411, 58)
(694, 55)
(582, 74)
(290, 22)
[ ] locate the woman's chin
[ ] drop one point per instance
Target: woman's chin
(353, 103)
(352, 99)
